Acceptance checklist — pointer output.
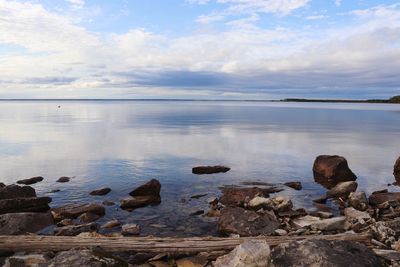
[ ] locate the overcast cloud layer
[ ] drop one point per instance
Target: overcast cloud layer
(210, 49)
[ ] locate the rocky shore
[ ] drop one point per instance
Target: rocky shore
(250, 210)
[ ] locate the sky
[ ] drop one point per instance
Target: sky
(199, 49)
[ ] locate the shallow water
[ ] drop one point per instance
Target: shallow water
(122, 144)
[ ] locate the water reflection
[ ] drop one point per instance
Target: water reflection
(123, 144)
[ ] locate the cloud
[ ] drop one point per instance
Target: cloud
(316, 17)
(77, 3)
(338, 2)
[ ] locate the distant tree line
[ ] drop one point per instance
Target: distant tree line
(393, 100)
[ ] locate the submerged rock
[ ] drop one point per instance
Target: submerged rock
(88, 217)
(210, 169)
(396, 170)
(26, 222)
(342, 189)
(324, 253)
(130, 229)
(294, 185)
(101, 192)
(30, 181)
(358, 200)
(237, 196)
(72, 211)
(16, 191)
(246, 223)
(74, 230)
(151, 188)
(31, 204)
(111, 224)
(379, 198)
(63, 179)
(139, 202)
(250, 253)
(330, 170)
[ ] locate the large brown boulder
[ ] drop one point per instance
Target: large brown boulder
(30, 181)
(235, 220)
(21, 223)
(324, 253)
(330, 170)
(32, 204)
(151, 188)
(72, 211)
(130, 203)
(16, 191)
(101, 192)
(396, 170)
(238, 196)
(379, 198)
(209, 169)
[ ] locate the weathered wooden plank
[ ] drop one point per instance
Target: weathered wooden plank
(152, 244)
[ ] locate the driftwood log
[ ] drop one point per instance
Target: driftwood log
(153, 244)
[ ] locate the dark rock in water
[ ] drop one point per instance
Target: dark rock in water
(30, 181)
(209, 169)
(342, 189)
(130, 229)
(108, 203)
(236, 196)
(16, 191)
(151, 188)
(73, 230)
(294, 185)
(324, 253)
(101, 192)
(72, 211)
(396, 170)
(358, 200)
(54, 191)
(320, 200)
(379, 198)
(139, 202)
(197, 212)
(32, 204)
(198, 196)
(111, 224)
(63, 179)
(330, 170)
(21, 223)
(246, 222)
(88, 217)
(65, 222)
(85, 258)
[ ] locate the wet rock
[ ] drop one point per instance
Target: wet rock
(324, 253)
(73, 230)
(16, 191)
(21, 223)
(85, 258)
(101, 192)
(379, 198)
(139, 202)
(209, 169)
(108, 203)
(249, 253)
(294, 185)
(88, 217)
(197, 212)
(111, 224)
(63, 179)
(54, 191)
(236, 196)
(65, 222)
(130, 229)
(30, 181)
(72, 211)
(396, 170)
(235, 220)
(198, 196)
(151, 188)
(27, 260)
(31, 204)
(330, 170)
(342, 189)
(292, 213)
(358, 200)
(278, 204)
(332, 224)
(320, 200)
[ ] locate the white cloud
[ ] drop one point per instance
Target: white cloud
(338, 2)
(77, 3)
(316, 17)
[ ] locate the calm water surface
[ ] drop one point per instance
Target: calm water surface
(121, 144)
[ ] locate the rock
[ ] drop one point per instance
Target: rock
(72, 211)
(85, 258)
(2, 185)
(197, 212)
(236, 196)
(65, 222)
(278, 204)
(54, 191)
(342, 189)
(198, 196)
(305, 221)
(330, 170)
(101, 192)
(358, 200)
(294, 185)
(31, 204)
(108, 203)
(209, 169)
(88, 217)
(139, 202)
(386, 232)
(324, 214)
(73, 230)
(151, 188)
(16, 191)
(130, 229)
(292, 213)
(353, 215)
(21, 223)
(249, 253)
(332, 224)
(111, 224)
(188, 262)
(27, 260)
(389, 255)
(63, 179)
(320, 200)
(379, 198)
(30, 181)
(280, 232)
(396, 170)
(324, 253)
(246, 223)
